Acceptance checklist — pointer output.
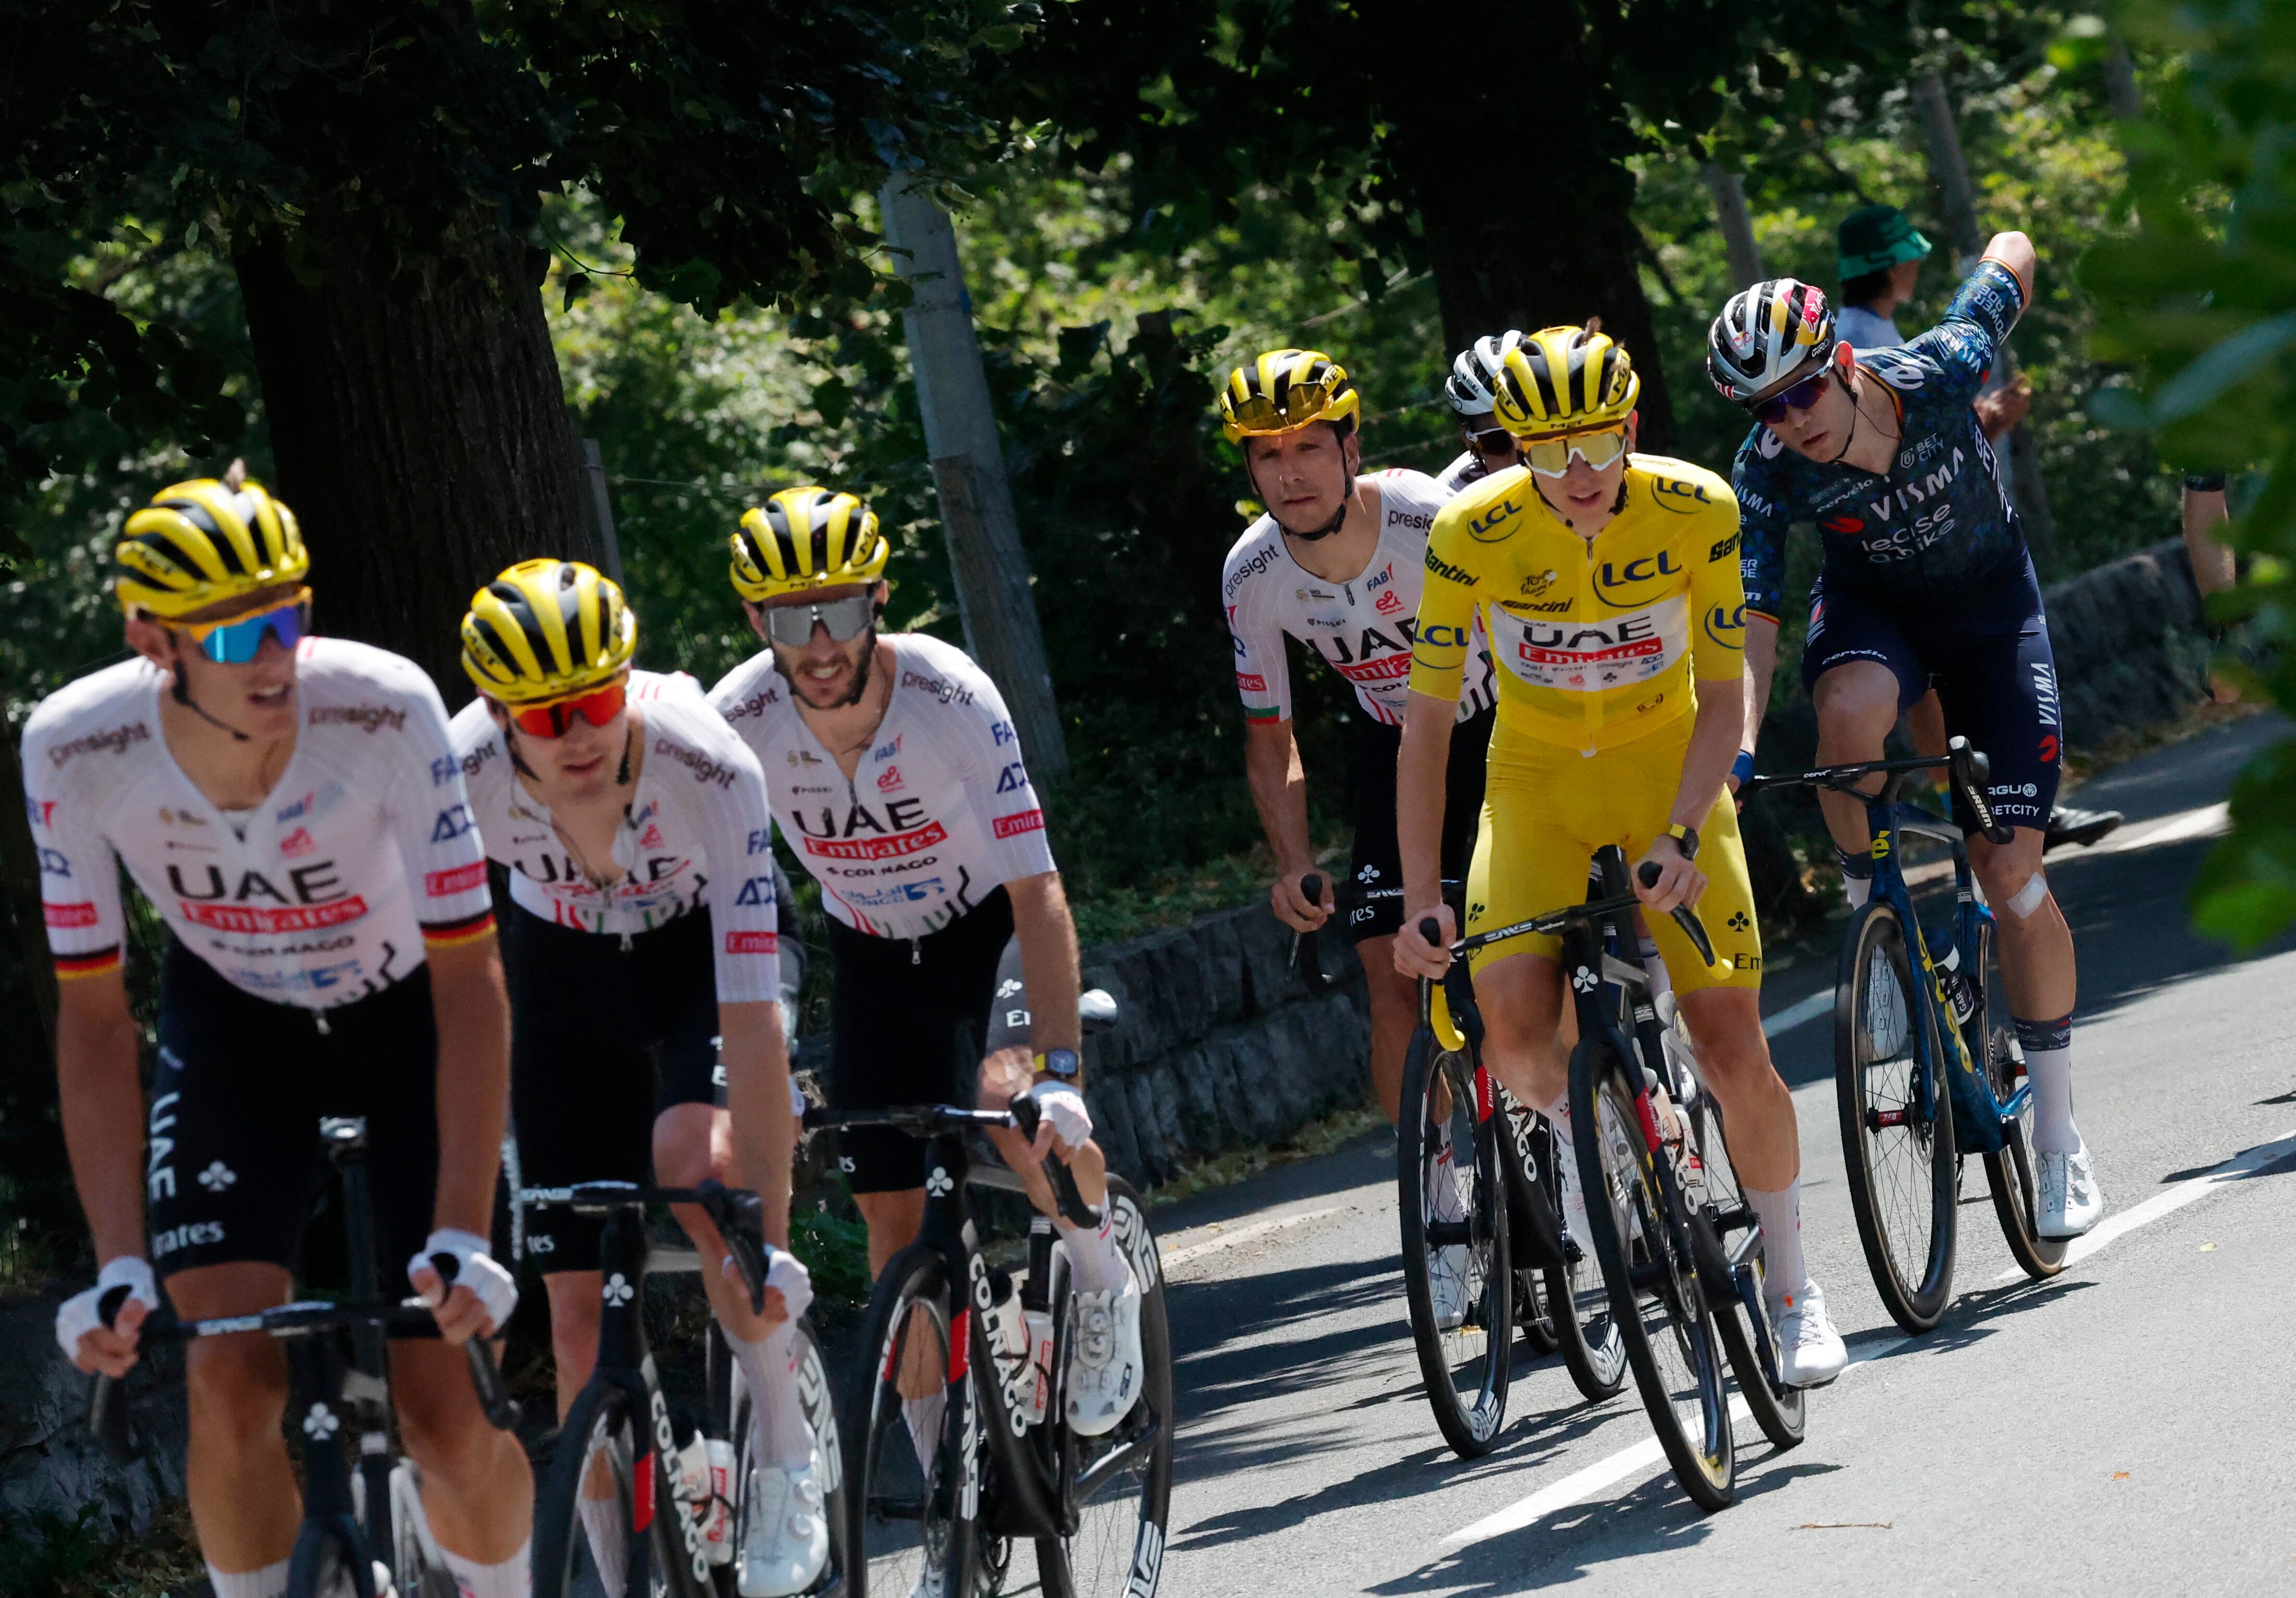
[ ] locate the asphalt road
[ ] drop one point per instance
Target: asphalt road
(2121, 1429)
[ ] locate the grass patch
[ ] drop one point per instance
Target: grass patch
(1112, 914)
(1241, 1164)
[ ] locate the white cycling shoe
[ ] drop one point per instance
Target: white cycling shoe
(1810, 1351)
(2070, 1201)
(785, 1537)
(1106, 1369)
(932, 1576)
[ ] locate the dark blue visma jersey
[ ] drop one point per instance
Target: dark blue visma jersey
(1939, 521)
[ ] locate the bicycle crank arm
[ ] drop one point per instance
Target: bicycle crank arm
(1119, 1459)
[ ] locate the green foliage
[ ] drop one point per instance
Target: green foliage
(836, 1251)
(2201, 304)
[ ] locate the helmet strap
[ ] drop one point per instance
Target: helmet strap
(184, 698)
(1856, 409)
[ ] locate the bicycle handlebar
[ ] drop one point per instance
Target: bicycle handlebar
(737, 1213)
(108, 1418)
(1555, 921)
(933, 1120)
(1967, 769)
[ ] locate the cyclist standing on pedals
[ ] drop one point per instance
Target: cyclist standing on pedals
(895, 772)
(291, 808)
(642, 950)
(1606, 581)
(1491, 447)
(1926, 578)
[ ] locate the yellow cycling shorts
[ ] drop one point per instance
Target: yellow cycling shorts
(1547, 809)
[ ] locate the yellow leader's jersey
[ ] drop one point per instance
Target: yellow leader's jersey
(1596, 643)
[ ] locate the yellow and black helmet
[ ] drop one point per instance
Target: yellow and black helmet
(1284, 391)
(807, 538)
(202, 542)
(1565, 379)
(544, 630)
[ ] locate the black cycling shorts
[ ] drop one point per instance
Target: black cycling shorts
(1378, 861)
(232, 1167)
(1986, 652)
(606, 1034)
(910, 1022)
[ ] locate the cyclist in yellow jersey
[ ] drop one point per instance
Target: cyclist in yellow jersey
(1608, 582)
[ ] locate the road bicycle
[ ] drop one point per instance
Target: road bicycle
(1680, 1253)
(1925, 1071)
(956, 1444)
(681, 1488)
(1483, 1250)
(364, 1532)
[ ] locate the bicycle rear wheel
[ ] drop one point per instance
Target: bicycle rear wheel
(2009, 1169)
(912, 1501)
(599, 1445)
(1457, 1277)
(1897, 1118)
(1781, 1413)
(1121, 1484)
(1643, 1243)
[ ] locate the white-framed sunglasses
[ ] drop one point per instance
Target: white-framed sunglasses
(791, 625)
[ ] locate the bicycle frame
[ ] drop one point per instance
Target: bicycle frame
(1978, 1115)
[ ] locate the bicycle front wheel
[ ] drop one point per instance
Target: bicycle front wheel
(1121, 1484)
(327, 1563)
(2009, 1169)
(1781, 1411)
(1574, 1309)
(635, 1545)
(729, 1414)
(1458, 1280)
(1897, 1118)
(1642, 1240)
(912, 1440)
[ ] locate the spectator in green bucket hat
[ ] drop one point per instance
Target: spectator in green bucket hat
(1881, 256)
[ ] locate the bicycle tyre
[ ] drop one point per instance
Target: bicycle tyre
(1114, 1553)
(1656, 1295)
(1593, 1350)
(2009, 1169)
(886, 1485)
(1914, 1219)
(1477, 1352)
(1782, 1415)
(600, 1413)
(414, 1570)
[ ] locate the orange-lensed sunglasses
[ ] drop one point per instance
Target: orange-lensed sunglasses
(598, 707)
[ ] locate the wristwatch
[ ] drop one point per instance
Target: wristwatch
(1685, 838)
(1060, 1065)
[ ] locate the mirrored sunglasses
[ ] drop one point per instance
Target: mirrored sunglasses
(239, 640)
(599, 706)
(1803, 395)
(1550, 458)
(791, 625)
(1259, 413)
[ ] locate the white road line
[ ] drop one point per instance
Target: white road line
(1244, 1234)
(2189, 1191)
(1645, 1455)
(2206, 821)
(1820, 1003)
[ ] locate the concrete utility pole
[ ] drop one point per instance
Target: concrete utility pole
(2121, 84)
(1949, 170)
(1737, 226)
(968, 467)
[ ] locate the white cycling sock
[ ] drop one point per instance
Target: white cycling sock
(1784, 1275)
(924, 1418)
(2051, 1073)
(269, 1582)
(779, 1433)
(610, 1548)
(1659, 981)
(508, 1579)
(1096, 1265)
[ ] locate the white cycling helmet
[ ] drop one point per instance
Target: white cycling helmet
(1767, 336)
(1472, 386)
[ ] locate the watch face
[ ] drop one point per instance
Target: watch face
(1060, 1062)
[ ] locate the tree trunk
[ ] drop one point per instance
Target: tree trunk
(421, 433)
(1737, 223)
(1528, 218)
